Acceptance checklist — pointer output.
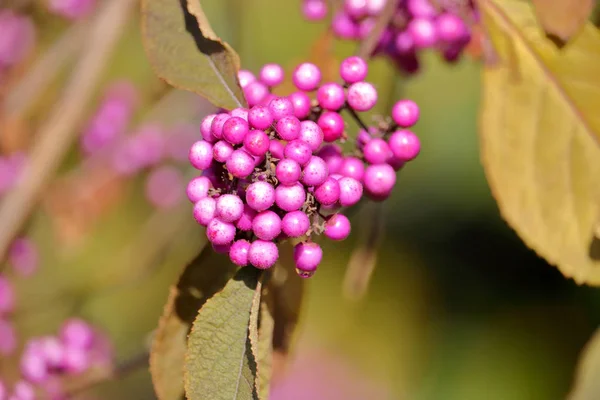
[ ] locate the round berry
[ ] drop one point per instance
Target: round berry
(281, 107)
(306, 77)
(271, 74)
(204, 210)
(240, 112)
(298, 151)
(311, 134)
(198, 188)
(288, 128)
(405, 113)
(404, 43)
(351, 191)
(344, 27)
(277, 149)
(222, 150)
(245, 221)
(235, 130)
(295, 224)
(257, 143)
(376, 151)
(314, 10)
(238, 252)
(164, 186)
(290, 198)
(379, 180)
(255, 93)
(353, 69)
(337, 227)
(363, 138)
(240, 164)
(353, 167)
(307, 257)
(263, 254)
(356, 9)
(245, 78)
(423, 32)
(260, 195)
(362, 96)
(315, 172)
(229, 208)
(421, 8)
(201, 155)
(331, 96)
(266, 225)
(328, 192)
(260, 117)
(288, 172)
(220, 232)
(332, 155)
(205, 128)
(301, 103)
(216, 128)
(405, 145)
(332, 125)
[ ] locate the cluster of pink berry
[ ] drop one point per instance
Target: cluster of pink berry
(48, 359)
(71, 9)
(273, 172)
(17, 37)
(416, 25)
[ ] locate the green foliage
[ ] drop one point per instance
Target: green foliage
(185, 51)
(540, 137)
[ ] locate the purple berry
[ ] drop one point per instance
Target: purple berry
(375, 7)
(290, 198)
(240, 164)
(314, 10)
(277, 149)
(256, 93)
(421, 9)
(23, 256)
(245, 78)
(76, 333)
(379, 180)
(295, 224)
(307, 77)
(362, 96)
(245, 221)
(311, 134)
(257, 142)
(222, 150)
(220, 232)
(451, 28)
(288, 128)
(328, 193)
(405, 113)
(315, 172)
(332, 125)
(205, 130)
(221, 248)
(288, 172)
(240, 112)
(337, 227)
(260, 117)
(235, 130)
(260, 195)
(376, 151)
(405, 145)
(404, 43)
(238, 252)
(7, 296)
(204, 210)
(263, 254)
(201, 155)
(301, 103)
(332, 155)
(307, 257)
(271, 74)
(281, 107)
(298, 151)
(423, 32)
(344, 27)
(331, 96)
(216, 128)
(229, 208)
(351, 191)
(266, 225)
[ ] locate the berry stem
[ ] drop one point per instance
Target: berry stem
(367, 46)
(356, 118)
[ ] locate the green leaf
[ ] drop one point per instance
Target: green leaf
(202, 278)
(219, 362)
(587, 385)
(563, 18)
(264, 350)
(540, 135)
(185, 51)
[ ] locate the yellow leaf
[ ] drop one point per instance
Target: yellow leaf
(540, 134)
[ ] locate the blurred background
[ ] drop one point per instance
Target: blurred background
(458, 307)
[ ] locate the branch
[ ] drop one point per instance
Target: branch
(59, 131)
(368, 46)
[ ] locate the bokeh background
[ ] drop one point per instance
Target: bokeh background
(458, 307)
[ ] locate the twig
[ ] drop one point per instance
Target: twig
(58, 132)
(356, 118)
(367, 46)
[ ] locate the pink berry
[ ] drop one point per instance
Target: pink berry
(315, 172)
(404, 43)
(405, 113)
(204, 210)
(353, 69)
(221, 248)
(344, 27)
(295, 224)
(314, 10)
(288, 128)
(301, 103)
(307, 77)
(260, 117)
(351, 191)
(379, 180)
(245, 221)
(23, 390)
(375, 7)
(337, 227)
(216, 128)
(222, 150)
(201, 155)
(277, 149)
(451, 28)
(240, 164)
(396, 163)
(255, 93)
(288, 172)
(332, 154)
(356, 9)
(331, 96)
(23, 256)
(8, 338)
(245, 78)
(263, 254)
(307, 257)
(260, 195)
(271, 74)
(238, 252)
(362, 96)
(235, 130)
(376, 151)
(164, 187)
(7, 296)
(76, 333)
(229, 208)
(220, 232)
(281, 107)
(298, 151)
(240, 112)
(290, 198)
(257, 142)
(423, 32)
(311, 134)
(353, 167)
(405, 145)
(328, 193)
(332, 125)
(266, 225)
